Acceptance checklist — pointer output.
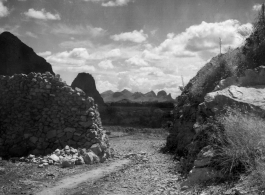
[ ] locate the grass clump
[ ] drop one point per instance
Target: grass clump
(242, 145)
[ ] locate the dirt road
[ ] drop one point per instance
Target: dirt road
(149, 172)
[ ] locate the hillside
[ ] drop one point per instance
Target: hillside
(161, 96)
(16, 57)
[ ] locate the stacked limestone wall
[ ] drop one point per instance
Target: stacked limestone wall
(39, 113)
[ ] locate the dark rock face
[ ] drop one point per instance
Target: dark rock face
(86, 82)
(16, 57)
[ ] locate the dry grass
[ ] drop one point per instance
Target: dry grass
(243, 143)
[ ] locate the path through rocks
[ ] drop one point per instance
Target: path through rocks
(137, 168)
(75, 180)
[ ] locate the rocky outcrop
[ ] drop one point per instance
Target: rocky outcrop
(86, 82)
(16, 57)
(39, 113)
(186, 112)
(248, 99)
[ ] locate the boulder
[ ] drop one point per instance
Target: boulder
(16, 57)
(54, 157)
(250, 99)
(88, 158)
(204, 158)
(67, 162)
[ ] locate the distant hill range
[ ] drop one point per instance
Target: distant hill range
(127, 96)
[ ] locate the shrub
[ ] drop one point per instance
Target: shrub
(255, 44)
(242, 144)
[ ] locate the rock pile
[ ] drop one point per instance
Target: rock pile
(39, 113)
(68, 157)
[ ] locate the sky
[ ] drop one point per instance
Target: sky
(139, 45)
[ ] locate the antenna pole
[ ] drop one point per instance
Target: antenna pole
(220, 43)
(182, 81)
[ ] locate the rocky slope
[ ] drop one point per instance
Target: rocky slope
(16, 57)
(86, 82)
(161, 96)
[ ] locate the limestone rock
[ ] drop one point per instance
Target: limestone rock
(250, 99)
(16, 57)
(67, 162)
(96, 149)
(86, 82)
(55, 158)
(204, 157)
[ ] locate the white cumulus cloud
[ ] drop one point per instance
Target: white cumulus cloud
(77, 30)
(45, 53)
(42, 14)
(137, 61)
(3, 10)
(134, 36)
(106, 64)
(116, 3)
(256, 7)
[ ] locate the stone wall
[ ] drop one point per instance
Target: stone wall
(39, 113)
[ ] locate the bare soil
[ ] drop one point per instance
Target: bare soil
(138, 168)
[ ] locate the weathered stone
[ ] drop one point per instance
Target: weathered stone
(88, 158)
(66, 162)
(250, 99)
(80, 161)
(96, 149)
(33, 139)
(55, 158)
(69, 129)
(86, 124)
(51, 134)
(204, 157)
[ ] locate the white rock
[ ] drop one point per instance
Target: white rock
(54, 157)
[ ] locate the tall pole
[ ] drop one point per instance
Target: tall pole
(182, 81)
(220, 43)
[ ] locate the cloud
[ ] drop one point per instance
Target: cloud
(77, 57)
(3, 10)
(116, 3)
(105, 85)
(135, 36)
(106, 64)
(30, 34)
(44, 54)
(42, 15)
(77, 30)
(137, 61)
(256, 7)
(111, 3)
(76, 44)
(201, 40)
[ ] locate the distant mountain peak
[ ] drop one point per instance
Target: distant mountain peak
(125, 94)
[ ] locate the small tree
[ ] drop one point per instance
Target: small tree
(255, 45)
